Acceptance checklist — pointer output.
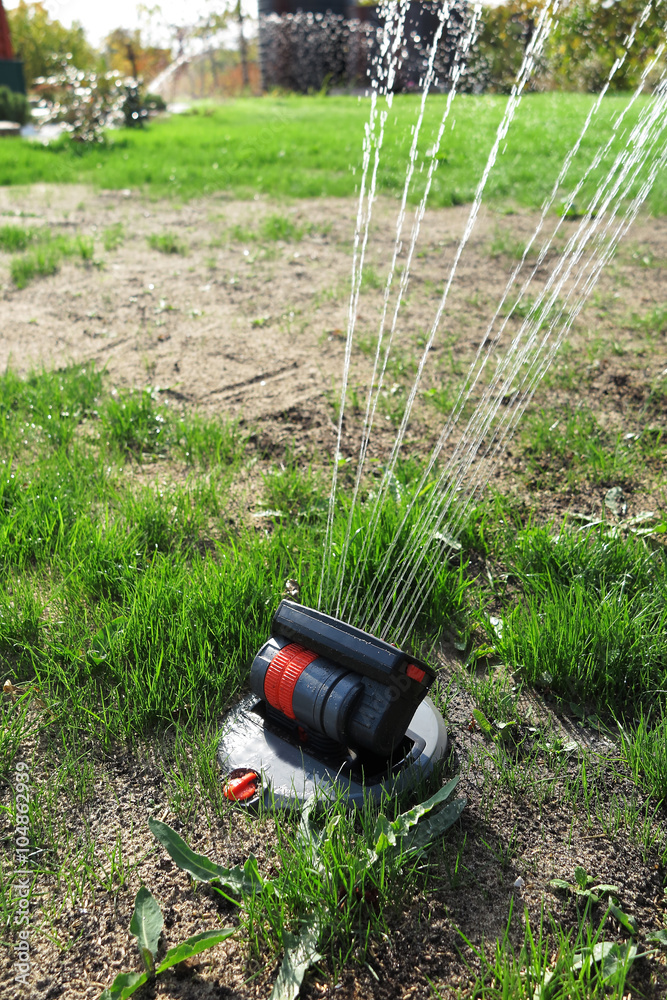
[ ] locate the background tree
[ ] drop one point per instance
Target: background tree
(127, 52)
(589, 37)
(44, 44)
(219, 19)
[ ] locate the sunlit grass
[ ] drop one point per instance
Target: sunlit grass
(312, 146)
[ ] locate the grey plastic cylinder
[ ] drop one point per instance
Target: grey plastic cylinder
(323, 698)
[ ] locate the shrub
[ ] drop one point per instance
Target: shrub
(588, 37)
(13, 107)
(498, 52)
(154, 102)
(89, 103)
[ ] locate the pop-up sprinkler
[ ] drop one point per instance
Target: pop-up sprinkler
(333, 709)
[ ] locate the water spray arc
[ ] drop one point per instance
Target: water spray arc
(385, 70)
(533, 52)
(334, 704)
(373, 396)
(530, 360)
(369, 608)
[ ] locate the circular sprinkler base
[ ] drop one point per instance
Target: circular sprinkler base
(289, 769)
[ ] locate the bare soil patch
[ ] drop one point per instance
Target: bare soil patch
(255, 327)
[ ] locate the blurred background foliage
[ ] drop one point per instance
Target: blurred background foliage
(89, 89)
(587, 37)
(43, 43)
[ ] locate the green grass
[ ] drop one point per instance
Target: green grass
(565, 446)
(311, 146)
(591, 624)
(136, 584)
(653, 322)
(13, 238)
(158, 574)
(505, 244)
(113, 236)
(44, 254)
(161, 570)
(550, 962)
(167, 243)
(279, 227)
(645, 749)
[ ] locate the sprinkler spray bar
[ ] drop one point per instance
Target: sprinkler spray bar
(325, 678)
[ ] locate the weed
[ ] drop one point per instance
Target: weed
(113, 236)
(167, 243)
(146, 926)
(279, 227)
(336, 874)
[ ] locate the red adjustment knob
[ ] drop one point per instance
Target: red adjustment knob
(241, 785)
(415, 672)
(283, 672)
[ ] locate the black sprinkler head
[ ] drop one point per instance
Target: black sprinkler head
(333, 710)
(332, 680)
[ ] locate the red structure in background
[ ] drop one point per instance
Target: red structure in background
(6, 48)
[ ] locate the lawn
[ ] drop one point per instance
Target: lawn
(145, 542)
(300, 147)
(130, 609)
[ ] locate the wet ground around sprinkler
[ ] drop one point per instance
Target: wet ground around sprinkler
(234, 322)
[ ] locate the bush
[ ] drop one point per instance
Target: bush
(135, 112)
(586, 38)
(89, 103)
(13, 107)
(154, 103)
(498, 52)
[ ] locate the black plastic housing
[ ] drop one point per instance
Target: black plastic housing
(356, 690)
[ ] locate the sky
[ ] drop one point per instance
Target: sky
(98, 18)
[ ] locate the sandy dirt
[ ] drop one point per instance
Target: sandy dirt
(254, 328)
